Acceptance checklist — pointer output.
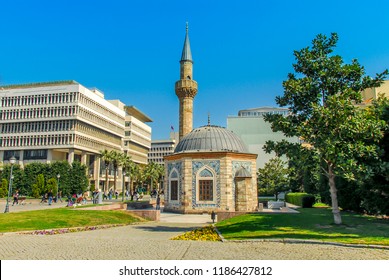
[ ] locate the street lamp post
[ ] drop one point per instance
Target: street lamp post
(12, 161)
(56, 197)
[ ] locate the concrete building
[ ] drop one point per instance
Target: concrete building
(371, 94)
(160, 149)
(254, 131)
(137, 135)
(63, 120)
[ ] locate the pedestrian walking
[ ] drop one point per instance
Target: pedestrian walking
(127, 194)
(50, 196)
(16, 198)
(158, 206)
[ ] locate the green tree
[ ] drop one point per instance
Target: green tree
(30, 174)
(375, 191)
(4, 188)
(17, 182)
(273, 177)
(51, 184)
(321, 97)
(117, 160)
(128, 168)
(40, 187)
(152, 173)
(77, 178)
(63, 168)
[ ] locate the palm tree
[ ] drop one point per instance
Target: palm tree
(161, 173)
(139, 175)
(116, 159)
(106, 156)
(128, 168)
(153, 172)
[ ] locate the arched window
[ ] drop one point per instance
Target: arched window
(205, 185)
(173, 185)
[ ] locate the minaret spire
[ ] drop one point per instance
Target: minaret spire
(186, 53)
(186, 88)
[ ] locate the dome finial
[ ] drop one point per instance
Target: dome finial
(209, 119)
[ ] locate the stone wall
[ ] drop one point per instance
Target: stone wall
(153, 215)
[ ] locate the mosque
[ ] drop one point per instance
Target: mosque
(211, 168)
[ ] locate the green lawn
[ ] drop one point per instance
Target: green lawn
(311, 223)
(62, 218)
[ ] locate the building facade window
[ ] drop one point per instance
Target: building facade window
(174, 190)
(205, 185)
(205, 190)
(35, 154)
(173, 186)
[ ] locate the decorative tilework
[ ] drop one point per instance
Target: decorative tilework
(205, 173)
(175, 166)
(213, 165)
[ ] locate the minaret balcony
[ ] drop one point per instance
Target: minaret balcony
(189, 84)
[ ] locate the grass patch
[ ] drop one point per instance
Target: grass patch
(320, 205)
(62, 218)
(311, 223)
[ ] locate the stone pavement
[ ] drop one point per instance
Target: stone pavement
(151, 241)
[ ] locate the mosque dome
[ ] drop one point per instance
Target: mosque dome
(211, 138)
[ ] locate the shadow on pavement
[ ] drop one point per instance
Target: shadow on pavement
(167, 228)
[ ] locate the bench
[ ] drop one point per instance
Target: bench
(275, 204)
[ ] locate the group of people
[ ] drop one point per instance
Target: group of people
(109, 195)
(50, 198)
(80, 198)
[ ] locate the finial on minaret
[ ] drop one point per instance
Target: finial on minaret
(186, 53)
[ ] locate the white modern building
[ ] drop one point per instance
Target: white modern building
(63, 120)
(254, 131)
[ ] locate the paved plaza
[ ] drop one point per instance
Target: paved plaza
(151, 241)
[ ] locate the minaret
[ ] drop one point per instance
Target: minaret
(186, 89)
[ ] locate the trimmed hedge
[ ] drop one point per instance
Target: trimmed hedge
(300, 199)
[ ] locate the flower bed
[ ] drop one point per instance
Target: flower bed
(68, 230)
(201, 234)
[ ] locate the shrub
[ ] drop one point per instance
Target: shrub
(300, 199)
(4, 188)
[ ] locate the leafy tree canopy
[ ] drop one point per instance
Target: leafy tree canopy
(321, 96)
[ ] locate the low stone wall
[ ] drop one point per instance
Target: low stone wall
(226, 215)
(153, 215)
(149, 214)
(115, 206)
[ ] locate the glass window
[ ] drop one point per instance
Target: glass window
(174, 190)
(205, 189)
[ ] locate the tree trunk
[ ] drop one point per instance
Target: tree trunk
(114, 180)
(106, 179)
(334, 197)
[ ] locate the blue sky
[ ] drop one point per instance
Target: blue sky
(242, 50)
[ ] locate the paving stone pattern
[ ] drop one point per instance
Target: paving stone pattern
(151, 241)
